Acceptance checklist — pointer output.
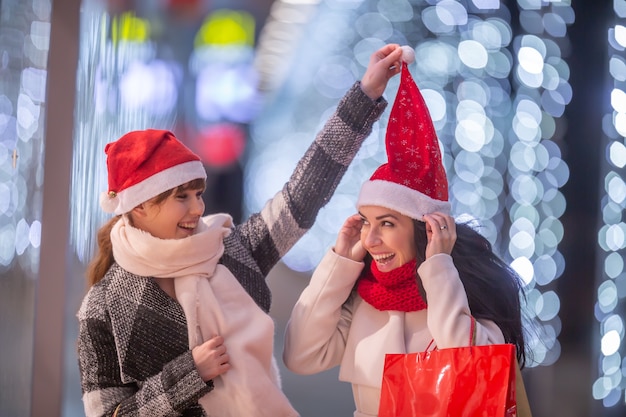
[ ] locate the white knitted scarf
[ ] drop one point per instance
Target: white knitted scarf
(214, 303)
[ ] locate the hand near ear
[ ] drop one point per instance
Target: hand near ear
(348, 242)
(440, 232)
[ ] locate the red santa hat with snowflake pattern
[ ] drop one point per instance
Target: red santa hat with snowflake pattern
(413, 181)
(144, 163)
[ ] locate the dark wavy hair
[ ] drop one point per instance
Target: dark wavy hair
(493, 288)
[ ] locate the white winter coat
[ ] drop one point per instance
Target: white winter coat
(332, 325)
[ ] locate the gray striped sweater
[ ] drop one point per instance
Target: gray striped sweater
(132, 342)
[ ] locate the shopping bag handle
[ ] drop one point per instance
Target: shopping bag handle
(472, 341)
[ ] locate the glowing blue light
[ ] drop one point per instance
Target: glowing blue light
(618, 100)
(530, 60)
(151, 86)
(473, 54)
(488, 34)
(614, 264)
(227, 92)
(451, 13)
(610, 343)
(524, 268)
(617, 68)
(436, 104)
(620, 35)
(616, 189)
(617, 154)
(620, 123)
(487, 4)
(7, 244)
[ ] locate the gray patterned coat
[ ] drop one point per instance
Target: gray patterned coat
(132, 344)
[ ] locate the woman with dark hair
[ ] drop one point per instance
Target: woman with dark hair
(402, 276)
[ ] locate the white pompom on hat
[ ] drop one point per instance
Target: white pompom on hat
(144, 163)
(408, 54)
(413, 182)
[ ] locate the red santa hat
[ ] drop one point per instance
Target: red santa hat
(413, 181)
(144, 163)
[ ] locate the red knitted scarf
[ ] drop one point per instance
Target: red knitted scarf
(394, 290)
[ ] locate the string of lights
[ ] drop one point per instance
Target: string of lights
(113, 97)
(23, 70)
(610, 307)
(536, 170)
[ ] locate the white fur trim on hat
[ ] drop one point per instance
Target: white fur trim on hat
(402, 199)
(132, 196)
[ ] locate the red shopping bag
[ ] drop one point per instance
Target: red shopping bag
(455, 382)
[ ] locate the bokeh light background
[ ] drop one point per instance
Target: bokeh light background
(610, 307)
(249, 97)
